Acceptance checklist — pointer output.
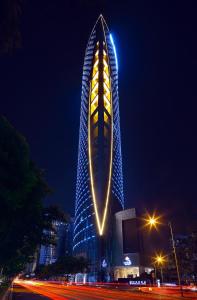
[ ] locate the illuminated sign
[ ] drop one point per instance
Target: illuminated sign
(127, 261)
(137, 282)
(104, 263)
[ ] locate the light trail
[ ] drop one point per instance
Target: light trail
(57, 291)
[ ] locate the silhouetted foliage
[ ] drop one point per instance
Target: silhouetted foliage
(22, 188)
(64, 265)
(10, 18)
(186, 250)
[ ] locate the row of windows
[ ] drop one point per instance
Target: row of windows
(83, 241)
(82, 213)
(82, 192)
(110, 86)
(83, 229)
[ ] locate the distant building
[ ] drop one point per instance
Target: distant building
(69, 237)
(47, 252)
(62, 234)
(64, 245)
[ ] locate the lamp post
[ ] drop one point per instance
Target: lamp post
(159, 260)
(155, 274)
(153, 221)
(175, 257)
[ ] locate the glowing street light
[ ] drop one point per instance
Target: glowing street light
(160, 260)
(153, 221)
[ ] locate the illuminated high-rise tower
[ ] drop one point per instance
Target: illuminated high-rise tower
(99, 188)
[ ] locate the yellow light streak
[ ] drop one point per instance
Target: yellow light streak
(106, 89)
(105, 64)
(106, 78)
(95, 90)
(105, 117)
(107, 97)
(107, 105)
(94, 104)
(95, 67)
(106, 84)
(95, 84)
(106, 71)
(95, 78)
(95, 118)
(94, 100)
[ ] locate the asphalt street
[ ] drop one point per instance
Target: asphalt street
(37, 290)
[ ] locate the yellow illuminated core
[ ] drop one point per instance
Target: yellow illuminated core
(106, 84)
(95, 85)
(93, 105)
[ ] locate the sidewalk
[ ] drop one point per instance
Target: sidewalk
(8, 294)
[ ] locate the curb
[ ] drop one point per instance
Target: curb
(8, 293)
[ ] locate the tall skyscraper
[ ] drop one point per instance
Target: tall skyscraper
(99, 188)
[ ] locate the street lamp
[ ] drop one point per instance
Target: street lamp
(175, 256)
(153, 221)
(160, 260)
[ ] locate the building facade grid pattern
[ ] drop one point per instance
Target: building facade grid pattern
(85, 231)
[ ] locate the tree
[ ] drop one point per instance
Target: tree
(10, 17)
(64, 265)
(186, 250)
(22, 188)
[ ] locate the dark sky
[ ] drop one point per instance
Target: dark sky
(156, 43)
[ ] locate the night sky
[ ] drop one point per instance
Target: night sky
(156, 43)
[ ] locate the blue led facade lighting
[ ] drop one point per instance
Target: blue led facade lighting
(115, 54)
(99, 187)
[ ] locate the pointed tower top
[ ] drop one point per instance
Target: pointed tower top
(102, 21)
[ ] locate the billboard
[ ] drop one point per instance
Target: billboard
(131, 242)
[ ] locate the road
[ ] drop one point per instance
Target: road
(38, 290)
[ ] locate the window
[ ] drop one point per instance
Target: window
(95, 86)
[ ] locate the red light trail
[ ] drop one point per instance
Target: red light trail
(57, 291)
